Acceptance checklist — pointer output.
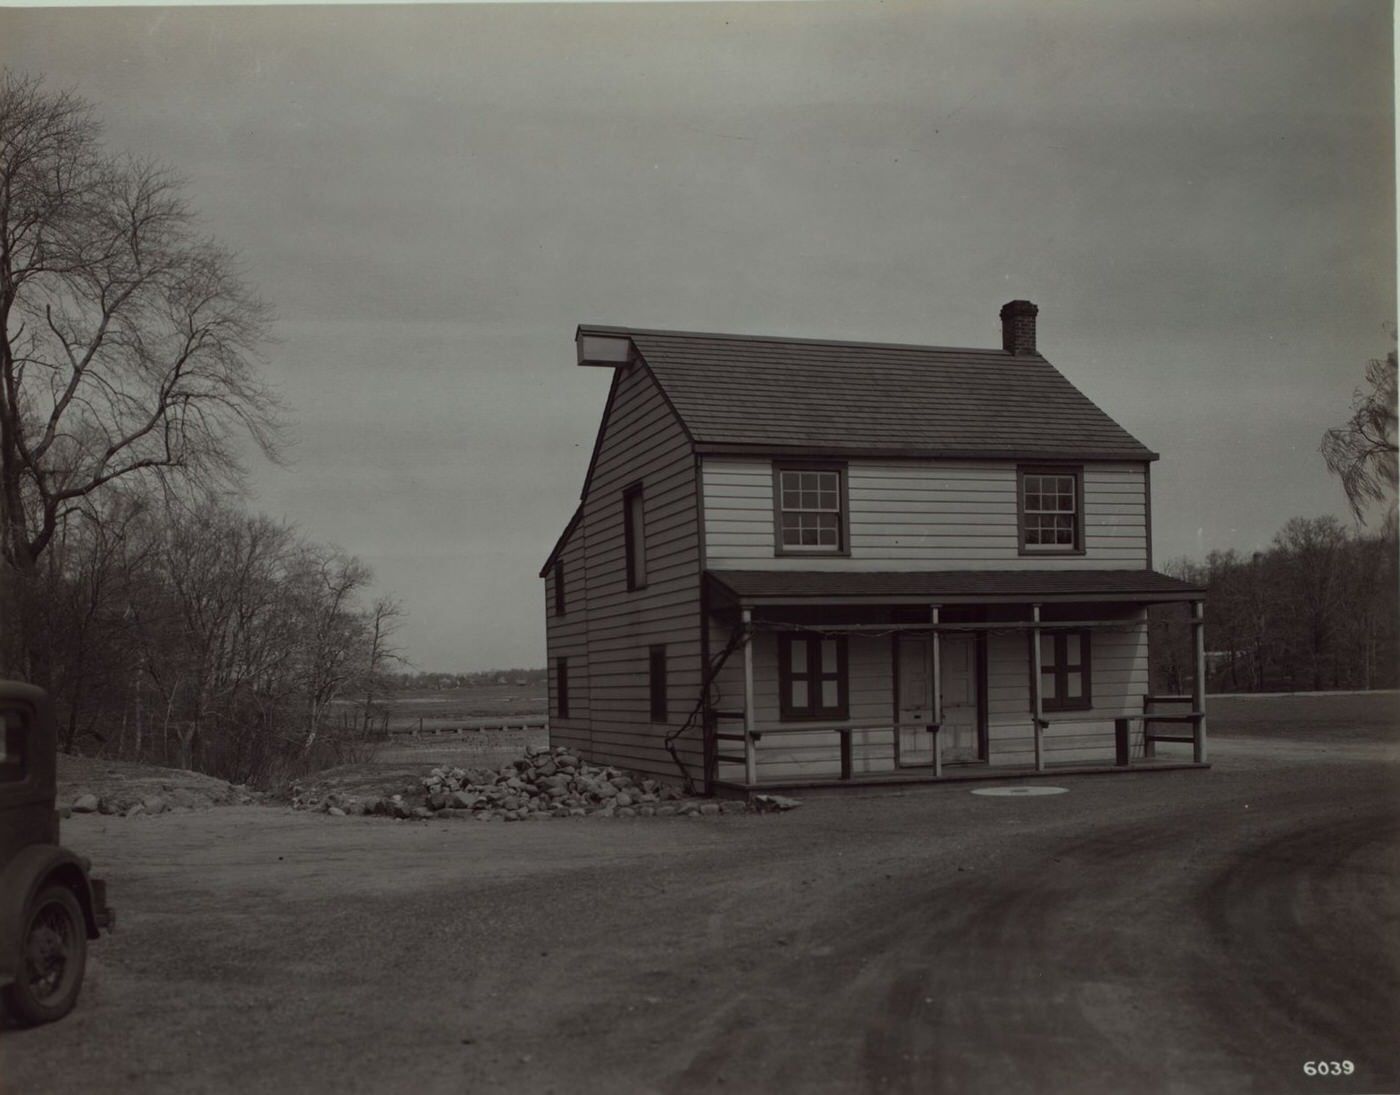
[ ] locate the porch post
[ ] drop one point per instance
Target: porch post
(1198, 686)
(750, 749)
(936, 679)
(1037, 710)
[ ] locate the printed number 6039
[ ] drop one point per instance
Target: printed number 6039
(1328, 1068)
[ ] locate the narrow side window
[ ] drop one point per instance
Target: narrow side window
(656, 660)
(634, 536)
(561, 687)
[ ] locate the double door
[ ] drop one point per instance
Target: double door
(959, 737)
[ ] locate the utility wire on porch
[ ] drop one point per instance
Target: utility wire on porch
(737, 638)
(997, 629)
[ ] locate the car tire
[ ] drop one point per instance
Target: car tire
(49, 973)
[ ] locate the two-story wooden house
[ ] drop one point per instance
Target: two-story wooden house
(797, 560)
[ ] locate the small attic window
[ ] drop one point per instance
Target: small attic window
(599, 349)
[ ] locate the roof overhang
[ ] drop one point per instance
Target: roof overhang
(608, 347)
(946, 587)
(835, 449)
(563, 541)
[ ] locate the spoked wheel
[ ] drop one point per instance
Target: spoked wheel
(55, 954)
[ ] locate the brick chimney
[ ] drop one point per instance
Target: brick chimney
(1018, 327)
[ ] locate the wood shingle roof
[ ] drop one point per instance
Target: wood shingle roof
(739, 392)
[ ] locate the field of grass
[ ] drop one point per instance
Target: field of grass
(1373, 715)
(449, 708)
(1347, 716)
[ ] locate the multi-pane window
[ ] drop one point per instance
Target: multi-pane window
(1064, 671)
(1050, 511)
(810, 517)
(656, 663)
(812, 677)
(634, 530)
(561, 687)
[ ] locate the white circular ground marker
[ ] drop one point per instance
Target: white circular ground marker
(1037, 790)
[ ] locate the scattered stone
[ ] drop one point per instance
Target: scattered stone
(336, 811)
(85, 804)
(773, 803)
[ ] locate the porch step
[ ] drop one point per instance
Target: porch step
(899, 781)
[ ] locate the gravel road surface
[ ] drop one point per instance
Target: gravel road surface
(1191, 931)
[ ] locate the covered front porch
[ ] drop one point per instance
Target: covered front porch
(820, 678)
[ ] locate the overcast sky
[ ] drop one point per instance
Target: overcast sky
(1198, 195)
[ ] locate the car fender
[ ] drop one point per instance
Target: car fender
(22, 878)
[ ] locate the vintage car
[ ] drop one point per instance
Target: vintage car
(50, 905)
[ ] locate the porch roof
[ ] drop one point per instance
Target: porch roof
(753, 587)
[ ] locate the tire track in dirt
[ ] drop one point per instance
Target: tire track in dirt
(1290, 912)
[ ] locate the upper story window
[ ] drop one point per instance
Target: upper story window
(559, 603)
(1051, 513)
(811, 510)
(634, 530)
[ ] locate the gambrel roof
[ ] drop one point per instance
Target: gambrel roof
(746, 393)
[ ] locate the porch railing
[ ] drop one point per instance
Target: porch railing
(749, 739)
(1161, 725)
(1153, 721)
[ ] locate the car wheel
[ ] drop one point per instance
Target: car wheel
(55, 954)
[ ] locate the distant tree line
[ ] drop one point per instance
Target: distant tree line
(1319, 609)
(420, 681)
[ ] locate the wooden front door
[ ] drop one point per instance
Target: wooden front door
(958, 679)
(915, 702)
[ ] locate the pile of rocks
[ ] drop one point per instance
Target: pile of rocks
(543, 783)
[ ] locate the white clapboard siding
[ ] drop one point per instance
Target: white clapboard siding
(910, 515)
(641, 442)
(816, 754)
(1118, 680)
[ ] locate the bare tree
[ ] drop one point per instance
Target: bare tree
(1362, 453)
(333, 644)
(130, 339)
(382, 621)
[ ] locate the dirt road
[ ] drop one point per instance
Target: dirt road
(1165, 932)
